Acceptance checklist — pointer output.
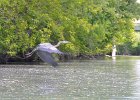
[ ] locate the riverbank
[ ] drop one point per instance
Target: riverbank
(61, 58)
(35, 58)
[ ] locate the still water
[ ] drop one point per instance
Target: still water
(74, 80)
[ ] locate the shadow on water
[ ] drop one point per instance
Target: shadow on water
(23, 65)
(84, 79)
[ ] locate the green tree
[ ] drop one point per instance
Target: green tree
(92, 26)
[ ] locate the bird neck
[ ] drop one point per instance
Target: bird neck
(58, 44)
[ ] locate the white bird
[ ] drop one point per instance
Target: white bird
(45, 50)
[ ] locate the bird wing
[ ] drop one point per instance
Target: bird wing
(46, 57)
(48, 48)
(54, 50)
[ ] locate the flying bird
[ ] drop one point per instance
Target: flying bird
(45, 50)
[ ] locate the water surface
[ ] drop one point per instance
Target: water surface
(74, 80)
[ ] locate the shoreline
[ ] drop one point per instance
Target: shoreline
(35, 60)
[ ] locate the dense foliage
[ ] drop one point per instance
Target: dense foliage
(92, 26)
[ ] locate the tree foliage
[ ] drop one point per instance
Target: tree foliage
(92, 26)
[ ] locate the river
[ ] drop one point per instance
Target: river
(105, 79)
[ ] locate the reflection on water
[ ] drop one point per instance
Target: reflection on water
(82, 80)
